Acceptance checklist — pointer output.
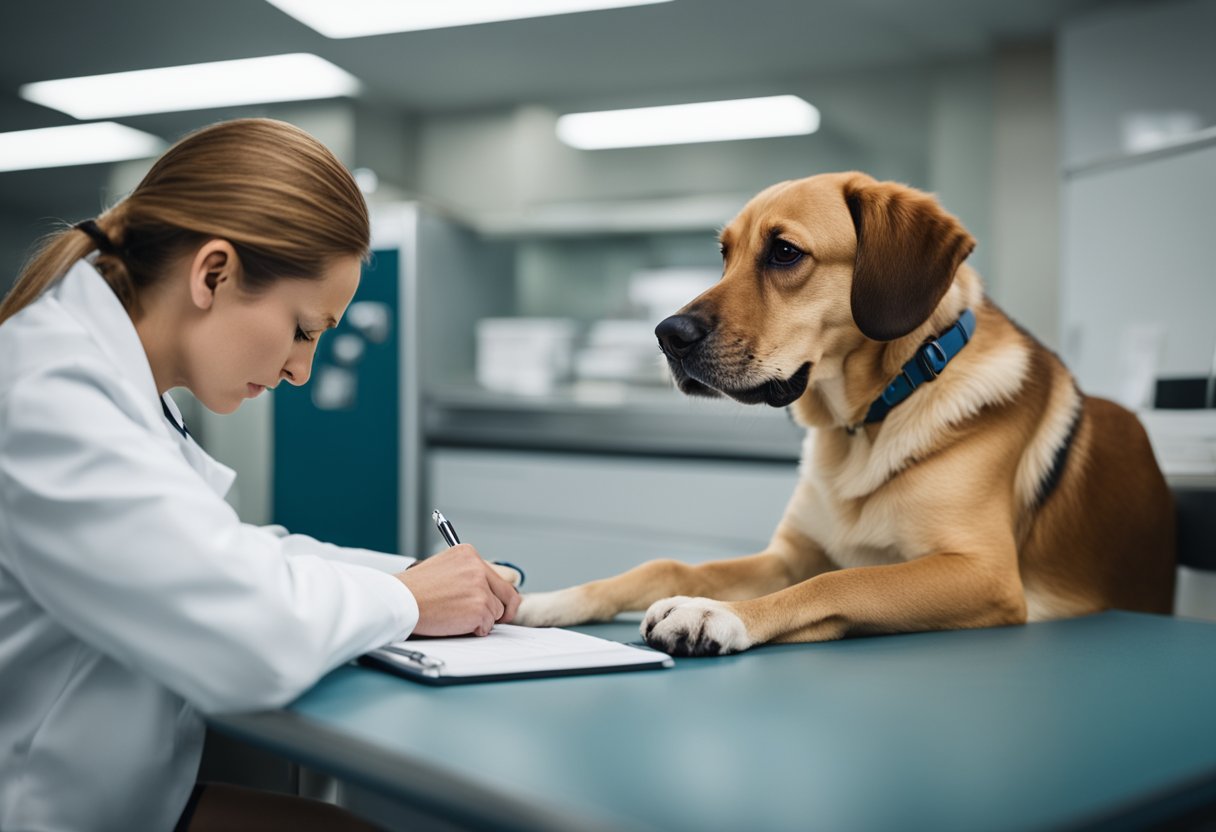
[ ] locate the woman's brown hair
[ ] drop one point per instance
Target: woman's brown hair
(282, 199)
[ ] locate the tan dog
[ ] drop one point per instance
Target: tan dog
(994, 494)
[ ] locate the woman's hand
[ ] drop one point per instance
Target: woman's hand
(459, 593)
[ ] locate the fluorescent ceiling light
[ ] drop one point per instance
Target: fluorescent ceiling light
(710, 121)
(76, 144)
(358, 18)
(295, 77)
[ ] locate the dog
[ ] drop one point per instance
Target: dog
(948, 479)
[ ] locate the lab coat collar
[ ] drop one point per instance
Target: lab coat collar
(88, 298)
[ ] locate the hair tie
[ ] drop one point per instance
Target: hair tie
(102, 240)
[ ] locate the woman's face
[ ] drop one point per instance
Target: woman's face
(248, 342)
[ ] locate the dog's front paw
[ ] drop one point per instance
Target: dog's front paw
(560, 608)
(685, 626)
(507, 573)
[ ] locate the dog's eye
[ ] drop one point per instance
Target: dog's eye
(783, 254)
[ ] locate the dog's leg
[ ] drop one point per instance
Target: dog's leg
(641, 586)
(790, 557)
(934, 592)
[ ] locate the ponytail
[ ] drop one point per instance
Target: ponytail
(54, 256)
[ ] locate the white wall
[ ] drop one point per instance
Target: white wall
(1140, 267)
(491, 163)
(1026, 190)
(1148, 58)
(1138, 281)
(960, 163)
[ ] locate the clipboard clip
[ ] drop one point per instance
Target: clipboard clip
(428, 664)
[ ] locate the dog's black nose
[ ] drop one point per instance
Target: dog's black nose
(679, 334)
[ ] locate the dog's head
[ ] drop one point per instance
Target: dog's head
(812, 269)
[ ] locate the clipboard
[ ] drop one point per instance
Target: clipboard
(510, 652)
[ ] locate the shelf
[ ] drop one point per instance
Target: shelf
(609, 418)
(1184, 144)
(705, 213)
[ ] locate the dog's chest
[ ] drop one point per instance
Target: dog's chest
(851, 532)
(864, 531)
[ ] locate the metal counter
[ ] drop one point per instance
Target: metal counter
(610, 419)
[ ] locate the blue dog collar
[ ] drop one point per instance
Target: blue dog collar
(925, 366)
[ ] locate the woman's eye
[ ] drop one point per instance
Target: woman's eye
(301, 335)
(784, 254)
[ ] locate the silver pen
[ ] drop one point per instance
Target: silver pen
(445, 528)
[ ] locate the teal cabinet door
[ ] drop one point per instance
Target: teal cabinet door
(336, 439)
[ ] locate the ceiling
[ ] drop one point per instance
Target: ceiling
(617, 57)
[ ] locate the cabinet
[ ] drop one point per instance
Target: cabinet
(568, 517)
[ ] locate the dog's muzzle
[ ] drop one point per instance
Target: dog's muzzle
(680, 336)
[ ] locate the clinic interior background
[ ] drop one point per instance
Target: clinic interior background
(1072, 137)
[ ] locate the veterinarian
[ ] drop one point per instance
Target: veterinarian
(132, 598)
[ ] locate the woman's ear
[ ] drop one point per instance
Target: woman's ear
(213, 265)
(908, 249)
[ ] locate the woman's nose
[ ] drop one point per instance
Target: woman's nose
(297, 370)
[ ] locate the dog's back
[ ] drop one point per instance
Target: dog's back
(1104, 537)
(1095, 521)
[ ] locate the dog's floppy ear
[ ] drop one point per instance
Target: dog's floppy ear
(908, 249)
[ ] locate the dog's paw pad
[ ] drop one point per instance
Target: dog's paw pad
(685, 626)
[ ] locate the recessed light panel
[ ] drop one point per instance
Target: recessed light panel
(76, 144)
(359, 18)
(709, 121)
(296, 77)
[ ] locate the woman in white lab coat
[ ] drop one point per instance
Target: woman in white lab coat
(132, 598)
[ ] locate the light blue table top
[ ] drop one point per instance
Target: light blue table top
(1048, 725)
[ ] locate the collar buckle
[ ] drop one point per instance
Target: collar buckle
(926, 364)
(933, 358)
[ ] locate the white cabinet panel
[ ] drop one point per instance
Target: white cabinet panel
(568, 518)
(1140, 269)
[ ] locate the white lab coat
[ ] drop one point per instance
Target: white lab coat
(132, 598)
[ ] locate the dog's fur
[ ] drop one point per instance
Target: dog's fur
(995, 494)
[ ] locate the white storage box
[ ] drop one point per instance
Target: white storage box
(621, 350)
(528, 356)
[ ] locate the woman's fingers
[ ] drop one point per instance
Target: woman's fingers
(503, 591)
(512, 607)
(458, 592)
